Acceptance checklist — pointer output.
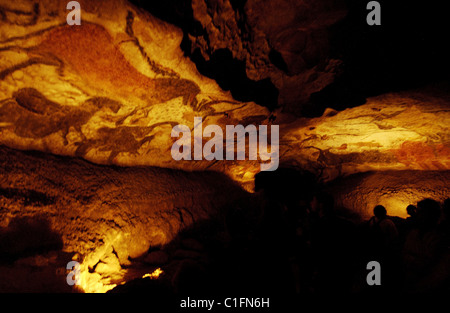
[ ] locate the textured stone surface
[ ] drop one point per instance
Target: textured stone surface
(395, 190)
(111, 90)
(396, 131)
(286, 41)
(106, 215)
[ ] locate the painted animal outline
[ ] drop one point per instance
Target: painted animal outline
(121, 139)
(31, 115)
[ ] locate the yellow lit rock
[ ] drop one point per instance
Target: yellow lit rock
(111, 90)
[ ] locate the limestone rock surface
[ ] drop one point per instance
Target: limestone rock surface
(284, 41)
(395, 190)
(111, 90)
(105, 215)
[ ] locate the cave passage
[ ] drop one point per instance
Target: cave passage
(93, 201)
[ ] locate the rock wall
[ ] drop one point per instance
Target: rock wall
(284, 41)
(111, 89)
(395, 190)
(103, 214)
(395, 131)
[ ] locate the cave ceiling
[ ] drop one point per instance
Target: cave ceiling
(111, 89)
(87, 111)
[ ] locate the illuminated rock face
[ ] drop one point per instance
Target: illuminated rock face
(395, 190)
(110, 91)
(397, 131)
(107, 214)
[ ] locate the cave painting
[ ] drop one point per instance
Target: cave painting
(102, 62)
(128, 89)
(257, 143)
(116, 107)
(423, 155)
(31, 115)
(110, 91)
(118, 140)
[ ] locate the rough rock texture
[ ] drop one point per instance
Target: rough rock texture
(106, 215)
(395, 190)
(396, 131)
(285, 41)
(111, 90)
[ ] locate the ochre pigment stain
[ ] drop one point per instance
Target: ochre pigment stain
(89, 49)
(426, 156)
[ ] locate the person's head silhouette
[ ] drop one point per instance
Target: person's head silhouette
(428, 212)
(380, 212)
(411, 210)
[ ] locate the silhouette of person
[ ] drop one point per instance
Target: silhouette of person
(409, 223)
(331, 239)
(385, 245)
(383, 228)
(423, 250)
(411, 210)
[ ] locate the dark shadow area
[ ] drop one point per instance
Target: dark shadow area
(277, 59)
(31, 257)
(231, 75)
(176, 12)
(227, 71)
(289, 243)
(408, 50)
(27, 196)
(27, 236)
